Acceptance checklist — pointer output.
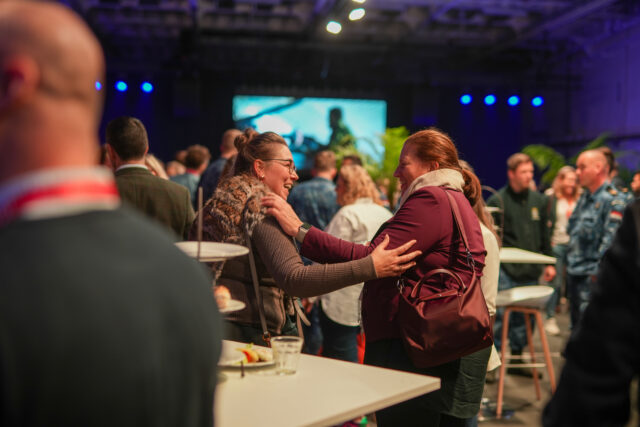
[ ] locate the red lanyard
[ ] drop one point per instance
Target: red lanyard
(81, 192)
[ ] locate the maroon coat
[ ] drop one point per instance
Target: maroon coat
(424, 216)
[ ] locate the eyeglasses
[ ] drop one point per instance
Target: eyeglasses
(288, 163)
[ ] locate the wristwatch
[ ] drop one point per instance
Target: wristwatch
(302, 231)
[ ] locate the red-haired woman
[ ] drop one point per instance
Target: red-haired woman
(428, 165)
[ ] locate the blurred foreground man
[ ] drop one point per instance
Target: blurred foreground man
(603, 353)
(103, 322)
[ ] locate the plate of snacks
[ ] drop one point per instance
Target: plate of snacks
(224, 301)
(249, 355)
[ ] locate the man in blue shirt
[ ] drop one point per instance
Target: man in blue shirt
(314, 201)
(211, 176)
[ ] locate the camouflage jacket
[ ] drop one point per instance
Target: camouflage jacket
(592, 226)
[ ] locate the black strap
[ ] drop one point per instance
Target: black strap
(266, 335)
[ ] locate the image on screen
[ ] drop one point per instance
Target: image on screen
(306, 126)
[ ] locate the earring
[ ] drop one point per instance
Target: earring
(261, 177)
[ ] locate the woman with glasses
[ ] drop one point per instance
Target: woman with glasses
(264, 165)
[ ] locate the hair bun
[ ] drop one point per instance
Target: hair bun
(244, 139)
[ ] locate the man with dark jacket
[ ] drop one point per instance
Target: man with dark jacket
(525, 227)
(104, 322)
(164, 201)
(602, 355)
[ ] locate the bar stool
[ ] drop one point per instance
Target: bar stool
(528, 300)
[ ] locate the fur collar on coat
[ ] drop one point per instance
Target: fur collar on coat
(234, 205)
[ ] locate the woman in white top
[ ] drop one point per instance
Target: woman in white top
(357, 221)
(561, 204)
(489, 279)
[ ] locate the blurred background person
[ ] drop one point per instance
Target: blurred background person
(155, 166)
(357, 221)
(211, 176)
(526, 227)
(562, 201)
(491, 271)
(315, 203)
(635, 184)
(164, 201)
(196, 162)
(175, 168)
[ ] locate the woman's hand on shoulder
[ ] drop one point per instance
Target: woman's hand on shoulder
(283, 212)
(393, 262)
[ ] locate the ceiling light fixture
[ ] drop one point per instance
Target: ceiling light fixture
(334, 27)
(356, 14)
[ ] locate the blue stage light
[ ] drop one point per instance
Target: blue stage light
(121, 86)
(146, 87)
(513, 100)
(537, 101)
(490, 99)
(98, 85)
(466, 99)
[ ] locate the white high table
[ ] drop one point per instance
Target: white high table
(520, 256)
(323, 392)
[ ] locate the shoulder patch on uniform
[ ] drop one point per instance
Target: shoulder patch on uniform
(615, 215)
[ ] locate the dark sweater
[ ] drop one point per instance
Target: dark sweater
(526, 226)
(104, 322)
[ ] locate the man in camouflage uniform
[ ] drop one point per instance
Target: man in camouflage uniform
(591, 228)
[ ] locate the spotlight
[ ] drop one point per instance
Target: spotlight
(465, 99)
(121, 86)
(334, 27)
(537, 101)
(513, 100)
(146, 87)
(98, 85)
(490, 99)
(359, 1)
(356, 14)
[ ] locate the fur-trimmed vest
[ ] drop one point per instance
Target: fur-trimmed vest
(235, 205)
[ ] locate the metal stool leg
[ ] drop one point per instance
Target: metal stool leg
(503, 353)
(547, 353)
(534, 371)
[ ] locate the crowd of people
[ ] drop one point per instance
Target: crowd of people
(92, 275)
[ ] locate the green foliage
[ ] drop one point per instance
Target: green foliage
(550, 161)
(546, 159)
(392, 141)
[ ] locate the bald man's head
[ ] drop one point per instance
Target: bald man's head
(592, 169)
(67, 56)
(49, 108)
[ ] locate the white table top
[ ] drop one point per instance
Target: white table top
(520, 256)
(324, 392)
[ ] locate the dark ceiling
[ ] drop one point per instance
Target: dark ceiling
(400, 41)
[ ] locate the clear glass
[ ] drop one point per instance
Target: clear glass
(286, 353)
